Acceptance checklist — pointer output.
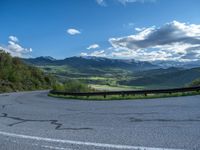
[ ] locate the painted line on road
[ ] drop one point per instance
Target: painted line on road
(54, 148)
(46, 146)
(102, 145)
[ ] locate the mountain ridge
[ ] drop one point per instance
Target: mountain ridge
(95, 62)
(158, 64)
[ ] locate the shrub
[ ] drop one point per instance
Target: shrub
(195, 83)
(58, 87)
(73, 86)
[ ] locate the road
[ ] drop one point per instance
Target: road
(34, 121)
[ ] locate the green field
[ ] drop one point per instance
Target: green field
(115, 88)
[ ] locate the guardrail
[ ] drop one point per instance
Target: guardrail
(123, 93)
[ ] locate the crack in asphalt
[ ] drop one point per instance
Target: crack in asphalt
(117, 114)
(133, 119)
(53, 122)
(4, 95)
(123, 114)
(5, 105)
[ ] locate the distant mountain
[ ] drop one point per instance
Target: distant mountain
(47, 60)
(93, 61)
(167, 64)
(87, 63)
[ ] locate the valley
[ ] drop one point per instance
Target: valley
(106, 74)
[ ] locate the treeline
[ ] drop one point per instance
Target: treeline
(17, 76)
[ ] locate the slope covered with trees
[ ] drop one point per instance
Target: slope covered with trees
(165, 78)
(17, 76)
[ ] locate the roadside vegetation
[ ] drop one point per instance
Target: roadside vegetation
(17, 76)
(115, 87)
(73, 86)
(195, 83)
(126, 97)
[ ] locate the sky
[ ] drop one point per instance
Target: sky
(147, 30)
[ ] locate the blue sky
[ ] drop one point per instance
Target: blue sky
(106, 28)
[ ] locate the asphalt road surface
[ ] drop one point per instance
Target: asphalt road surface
(34, 121)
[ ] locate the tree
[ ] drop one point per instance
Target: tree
(17, 76)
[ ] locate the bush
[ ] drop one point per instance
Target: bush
(58, 87)
(73, 86)
(195, 83)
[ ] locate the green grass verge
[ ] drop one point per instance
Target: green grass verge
(126, 97)
(114, 88)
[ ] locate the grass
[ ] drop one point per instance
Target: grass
(126, 97)
(114, 88)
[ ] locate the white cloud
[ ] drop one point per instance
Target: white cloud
(14, 48)
(129, 25)
(124, 42)
(84, 54)
(139, 29)
(100, 53)
(173, 41)
(72, 31)
(93, 46)
(124, 2)
(13, 38)
(101, 2)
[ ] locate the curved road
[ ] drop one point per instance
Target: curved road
(34, 121)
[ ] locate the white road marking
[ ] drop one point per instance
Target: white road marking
(45, 146)
(102, 145)
(55, 148)
(51, 147)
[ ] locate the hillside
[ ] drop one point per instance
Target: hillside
(171, 77)
(111, 73)
(17, 76)
(96, 71)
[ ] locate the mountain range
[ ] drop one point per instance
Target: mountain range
(85, 63)
(102, 61)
